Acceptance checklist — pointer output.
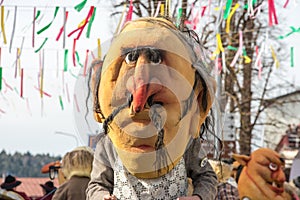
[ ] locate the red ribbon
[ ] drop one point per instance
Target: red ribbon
(80, 29)
(272, 13)
(63, 26)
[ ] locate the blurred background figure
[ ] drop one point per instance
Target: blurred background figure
(227, 188)
(76, 167)
(10, 183)
(48, 190)
(54, 171)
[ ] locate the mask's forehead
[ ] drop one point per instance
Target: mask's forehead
(147, 34)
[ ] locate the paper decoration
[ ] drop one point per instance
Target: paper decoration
(292, 56)
(90, 23)
(66, 60)
(2, 24)
(294, 30)
(272, 13)
(99, 48)
(13, 30)
(66, 14)
(80, 6)
(33, 27)
(227, 8)
(48, 25)
(44, 42)
(22, 79)
(230, 16)
(61, 102)
(0, 78)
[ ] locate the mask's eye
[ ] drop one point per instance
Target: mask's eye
(273, 166)
(132, 57)
(155, 57)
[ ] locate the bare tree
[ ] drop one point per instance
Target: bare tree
(246, 83)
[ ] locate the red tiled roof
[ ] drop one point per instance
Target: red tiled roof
(31, 186)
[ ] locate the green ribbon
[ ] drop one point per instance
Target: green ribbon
(80, 6)
(253, 3)
(227, 9)
(41, 45)
(37, 14)
(0, 78)
(61, 103)
(292, 56)
(66, 60)
(90, 23)
(48, 25)
(232, 48)
(294, 30)
(77, 58)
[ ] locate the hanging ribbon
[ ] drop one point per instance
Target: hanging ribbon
(274, 57)
(48, 25)
(294, 30)
(90, 23)
(240, 49)
(73, 52)
(129, 13)
(66, 14)
(286, 3)
(99, 48)
(230, 16)
(80, 6)
(42, 73)
(80, 28)
(13, 30)
(44, 42)
(0, 78)
(76, 103)
(227, 9)
(85, 63)
(157, 9)
(162, 9)
(2, 24)
(272, 13)
(247, 59)
(77, 58)
(61, 102)
(292, 56)
(33, 27)
(66, 60)
(22, 79)
(67, 90)
(44, 93)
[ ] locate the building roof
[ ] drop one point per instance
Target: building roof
(31, 186)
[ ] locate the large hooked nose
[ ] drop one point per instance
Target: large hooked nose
(143, 83)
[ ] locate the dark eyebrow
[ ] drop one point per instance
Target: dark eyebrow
(126, 50)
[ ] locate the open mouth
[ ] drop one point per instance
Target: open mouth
(276, 187)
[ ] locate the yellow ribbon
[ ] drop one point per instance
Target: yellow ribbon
(274, 57)
(229, 17)
(2, 24)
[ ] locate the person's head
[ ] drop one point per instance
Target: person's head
(153, 93)
(262, 176)
(48, 187)
(10, 183)
(77, 162)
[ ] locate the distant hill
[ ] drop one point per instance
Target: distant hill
(24, 165)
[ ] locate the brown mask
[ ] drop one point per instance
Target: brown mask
(159, 100)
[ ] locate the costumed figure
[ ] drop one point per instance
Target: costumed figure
(76, 167)
(262, 176)
(153, 95)
(8, 189)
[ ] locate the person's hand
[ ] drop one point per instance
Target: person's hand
(109, 197)
(195, 197)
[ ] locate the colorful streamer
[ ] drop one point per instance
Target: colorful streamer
(88, 32)
(286, 3)
(230, 16)
(292, 56)
(66, 14)
(129, 13)
(272, 13)
(80, 6)
(239, 51)
(2, 25)
(33, 27)
(99, 48)
(157, 9)
(44, 93)
(66, 60)
(22, 79)
(0, 78)
(13, 30)
(61, 102)
(294, 30)
(81, 27)
(44, 42)
(67, 90)
(85, 63)
(73, 52)
(77, 58)
(274, 57)
(48, 25)
(227, 9)
(76, 103)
